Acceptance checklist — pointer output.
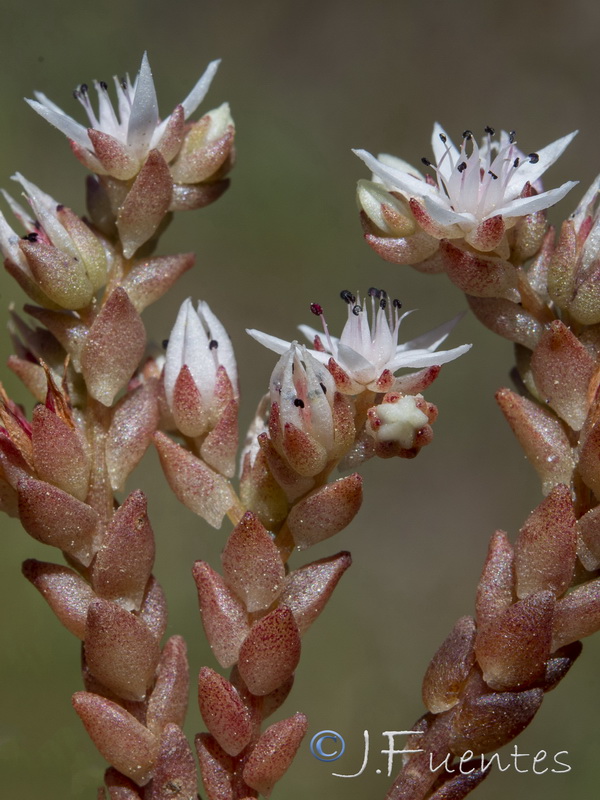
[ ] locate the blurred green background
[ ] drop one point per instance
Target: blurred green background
(307, 81)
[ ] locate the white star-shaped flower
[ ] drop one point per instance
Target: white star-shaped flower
(478, 191)
(134, 127)
(368, 352)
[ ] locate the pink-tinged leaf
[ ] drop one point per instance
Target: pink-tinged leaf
(29, 285)
(546, 548)
(488, 234)
(417, 382)
(148, 280)
(413, 249)
(120, 650)
(189, 412)
(58, 454)
(169, 698)
(31, 375)
(325, 512)
(513, 649)
(58, 519)
(113, 348)
(507, 319)
(9, 500)
(90, 247)
(67, 594)
(61, 277)
(577, 614)
(486, 722)
(175, 770)
(121, 739)
(172, 137)
(478, 275)
(449, 669)
(561, 269)
(458, 787)
(219, 449)
(216, 767)
(542, 437)
(260, 491)
(112, 155)
(13, 462)
(154, 609)
(68, 329)
(252, 565)
(189, 198)
(146, 204)
(308, 589)
(302, 451)
(589, 457)
(588, 546)
(133, 425)
(495, 592)
(124, 562)
(223, 616)
(224, 713)
(198, 160)
(563, 369)
(120, 787)
(273, 753)
(271, 652)
(293, 484)
(195, 485)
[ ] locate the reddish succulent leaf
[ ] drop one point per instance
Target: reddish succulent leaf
(169, 698)
(325, 512)
(271, 652)
(449, 668)
(273, 753)
(224, 713)
(252, 565)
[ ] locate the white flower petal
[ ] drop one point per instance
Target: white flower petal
(446, 153)
(200, 90)
(144, 111)
(528, 205)
(225, 354)
(356, 365)
(432, 339)
(426, 359)
(546, 157)
(271, 342)
(65, 124)
(394, 179)
(438, 210)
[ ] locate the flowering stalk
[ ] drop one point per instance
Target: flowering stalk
(98, 410)
(317, 416)
(535, 599)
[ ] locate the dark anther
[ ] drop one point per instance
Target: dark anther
(165, 343)
(347, 296)
(373, 292)
(516, 162)
(322, 385)
(426, 161)
(493, 174)
(213, 344)
(467, 134)
(382, 303)
(299, 403)
(397, 304)
(356, 310)
(316, 309)
(443, 138)
(489, 130)
(59, 207)
(104, 85)
(512, 136)
(83, 88)
(533, 158)
(31, 237)
(462, 166)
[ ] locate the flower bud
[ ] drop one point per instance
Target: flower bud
(60, 262)
(206, 147)
(400, 424)
(200, 379)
